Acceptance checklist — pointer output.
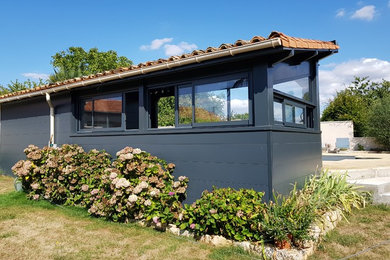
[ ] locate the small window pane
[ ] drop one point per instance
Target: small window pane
(299, 116)
(86, 114)
(289, 111)
(107, 112)
(185, 105)
(211, 102)
(298, 88)
(278, 111)
(132, 110)
(239, 109)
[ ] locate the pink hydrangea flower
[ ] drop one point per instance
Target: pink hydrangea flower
(35, 186)
(171, 193)
(84, 187)
(155, 220)
(192, 226)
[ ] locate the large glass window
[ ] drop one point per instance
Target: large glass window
(222, 101)
(298, 88)
(104, 112)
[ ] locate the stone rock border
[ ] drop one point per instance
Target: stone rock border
(328, 222)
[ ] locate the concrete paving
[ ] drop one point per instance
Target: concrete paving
(369, 170)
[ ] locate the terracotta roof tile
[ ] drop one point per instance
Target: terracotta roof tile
(286, 41)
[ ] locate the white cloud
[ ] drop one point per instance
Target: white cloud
(156, 44)
(239, 106)
(173, 49)
(36, 75)
(338, 76)
(365, 13)
(340, 12)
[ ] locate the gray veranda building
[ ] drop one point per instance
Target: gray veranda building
(241, 115)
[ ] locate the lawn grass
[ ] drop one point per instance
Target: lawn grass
(6, 183)
(40, 230)
(368, 227)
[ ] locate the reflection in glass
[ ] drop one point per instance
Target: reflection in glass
(298, 88)
(107, 112)
(289, 111)
(222, 101)
(278, 111)
(239, 102)
(299, 116)
(86, 115)
(101, 113)
(185, 105)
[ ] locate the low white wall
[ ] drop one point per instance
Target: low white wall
(331, 130)
(369, 143)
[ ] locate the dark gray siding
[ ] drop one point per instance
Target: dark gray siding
(236, 160)
(22, 123)
(294, 156)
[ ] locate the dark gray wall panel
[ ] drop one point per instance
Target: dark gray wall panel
(295, 156)
(22, 123)
(222, 159)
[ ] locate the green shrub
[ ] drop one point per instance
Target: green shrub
(327, 192)
(287, 218)
(234, 214)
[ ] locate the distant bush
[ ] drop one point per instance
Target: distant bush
(379, 121)
(135, 186)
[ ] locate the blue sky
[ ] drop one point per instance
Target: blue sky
(32, 31)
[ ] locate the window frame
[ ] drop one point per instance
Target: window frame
(201, 81)
(295, 102)
(96, 97)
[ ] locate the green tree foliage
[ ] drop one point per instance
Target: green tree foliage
(76, 62)
(355, 102)
(166, 111)
(347, 106)
(379, 121)
(17, 86)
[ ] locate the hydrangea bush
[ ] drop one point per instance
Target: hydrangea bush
(135, 186)
(141, 187)
(65, 175)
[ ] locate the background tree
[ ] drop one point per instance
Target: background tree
(76, 62)
(379, 121)
(355, 102)
(348, 106)
(17, 86)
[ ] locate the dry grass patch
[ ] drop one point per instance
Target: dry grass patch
(6, 184)
(367, 228)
